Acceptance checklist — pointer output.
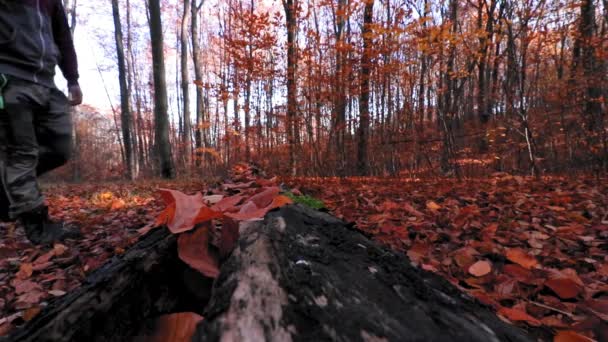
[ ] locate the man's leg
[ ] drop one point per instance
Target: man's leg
(32, 110)
(54, 134)
(4, 202)
(22, 101)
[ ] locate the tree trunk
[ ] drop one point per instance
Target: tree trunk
(290, 7)
(125, 108)
(161, 123)
(187, 129)
(200, 140)
(363, 134)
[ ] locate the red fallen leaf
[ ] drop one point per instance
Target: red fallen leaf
(506, 287)
(193, 249)
(480, 268)
(516, 315)
(228, 203)
(230, 235)
(465, 256)
(5, 328)
(264, 198)
(411, 210)
(31, 297)
(570, 336)
(165, 216)
(250, 212)
(521, 274)
(117, 204)
(554, 322)
(25, 286)
(280, 201)
(187, 207)
(520, 257)
(30, 313)
(248, 208)
(25, 271)
(417, 252)
(485, 298)
(566, 283)
(44, 258)
(57, 293)
(41, 267)
(206, 214)
(432, 206)
(489, 231)
(237, 186)
(59, 249)
(598, 305)
(388, 205)
(178, 327)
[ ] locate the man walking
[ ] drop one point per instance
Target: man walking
(35, 124)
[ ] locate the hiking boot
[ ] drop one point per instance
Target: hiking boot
(40, 229)
(4, 205)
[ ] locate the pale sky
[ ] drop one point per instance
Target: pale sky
(92, 23)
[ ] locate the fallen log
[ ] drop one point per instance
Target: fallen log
(303, 275)
(299, 275)
(116, 299)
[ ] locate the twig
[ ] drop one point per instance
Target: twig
(551, 308)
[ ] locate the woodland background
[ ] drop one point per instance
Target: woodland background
(349, 87)
(445, 105)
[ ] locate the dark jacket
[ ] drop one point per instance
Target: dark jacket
(34, 38)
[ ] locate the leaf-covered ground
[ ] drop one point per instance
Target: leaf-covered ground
(534, 250)
(109, 216)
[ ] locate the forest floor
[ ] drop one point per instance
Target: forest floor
(534, 250)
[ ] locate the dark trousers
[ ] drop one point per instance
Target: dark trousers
(35, 137)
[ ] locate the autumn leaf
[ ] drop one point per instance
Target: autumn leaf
(516, 315)
(186, 209)
(565, 283)
(59, 249)
(57, 293)
(178, 327)
(570, 336)
(206, 214)
(193, 249)
(520, 257)
(465, 256)
(228, 203)
(117, 204)
(432, 206)
(30, 313)
(25, 271)
(44, 258)
(412, 211)
(24, 286)
(265, 197)
(280, 201)
(480, 268)
(31, 297)
(521, 274)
